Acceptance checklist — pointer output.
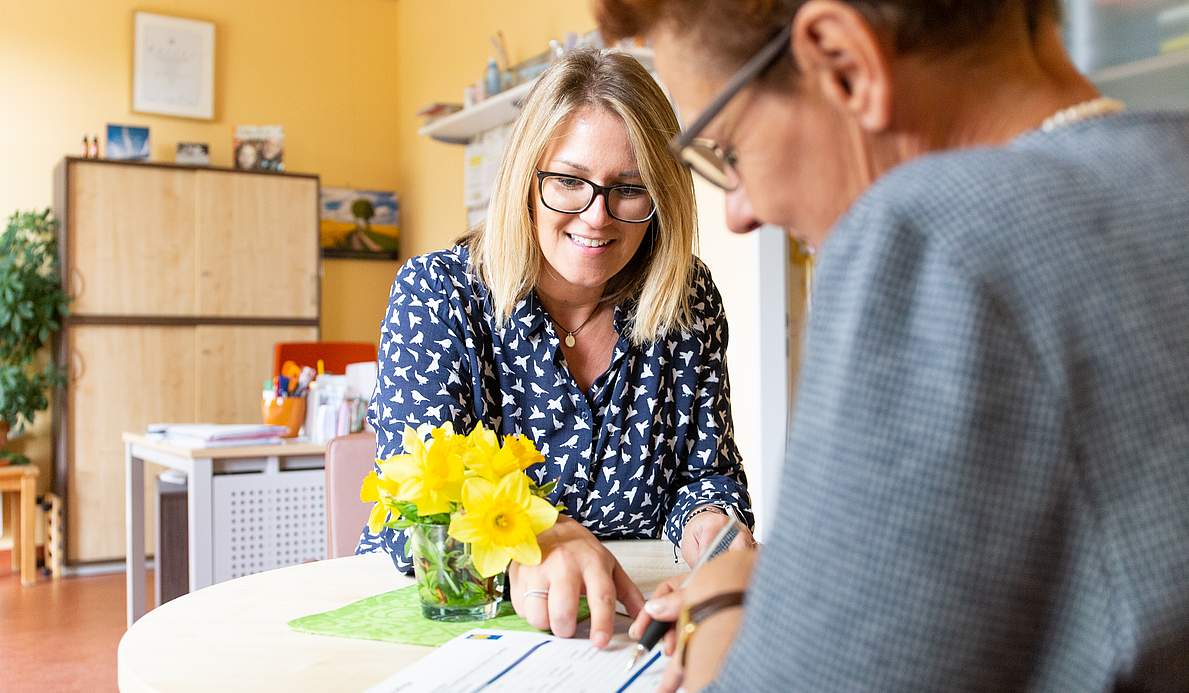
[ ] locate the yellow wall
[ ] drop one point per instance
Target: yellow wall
(344, 78)
(326, 71)
(442, 47)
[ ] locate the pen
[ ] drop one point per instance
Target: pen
(657, 629)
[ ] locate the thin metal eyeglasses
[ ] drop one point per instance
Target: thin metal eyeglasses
(570, 194)
(706, 157)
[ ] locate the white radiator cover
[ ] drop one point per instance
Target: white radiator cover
(267, 520)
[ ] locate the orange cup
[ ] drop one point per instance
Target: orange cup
(289, 412)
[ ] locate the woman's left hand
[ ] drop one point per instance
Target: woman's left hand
(708, 647)
(701, 530)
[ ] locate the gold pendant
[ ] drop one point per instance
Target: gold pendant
(570, 341)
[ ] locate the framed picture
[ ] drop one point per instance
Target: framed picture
(362, 224)
(259, 147)
(173, 66)
(127, 143)
(193, 154)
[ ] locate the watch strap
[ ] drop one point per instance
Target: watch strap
(711, 605)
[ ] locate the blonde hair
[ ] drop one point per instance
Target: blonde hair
(505, 252)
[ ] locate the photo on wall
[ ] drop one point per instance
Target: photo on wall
(127, 143)
(361, 224)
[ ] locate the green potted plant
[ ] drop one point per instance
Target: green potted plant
(32, 306)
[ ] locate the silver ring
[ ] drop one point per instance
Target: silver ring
(543, 594)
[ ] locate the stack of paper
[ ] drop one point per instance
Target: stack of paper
(215, 436)
(498, 660)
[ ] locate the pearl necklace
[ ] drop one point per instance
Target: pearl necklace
(1094, 108)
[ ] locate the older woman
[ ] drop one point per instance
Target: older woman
(578, 316)
(988, 474)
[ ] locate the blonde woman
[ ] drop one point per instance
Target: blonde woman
(578, 316)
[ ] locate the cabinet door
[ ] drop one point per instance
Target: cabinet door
(233, 362)
(257, 245)
(122, 378)
(130, 240)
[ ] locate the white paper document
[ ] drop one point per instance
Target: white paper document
(212, 433)
(500, 660)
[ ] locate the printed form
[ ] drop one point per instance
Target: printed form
(496, 660)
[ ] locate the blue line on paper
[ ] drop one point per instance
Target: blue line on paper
(512, 666)
(655, 656)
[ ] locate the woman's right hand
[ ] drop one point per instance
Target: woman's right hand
(573, 562)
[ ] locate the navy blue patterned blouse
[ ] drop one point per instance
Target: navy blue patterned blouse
(651, 440)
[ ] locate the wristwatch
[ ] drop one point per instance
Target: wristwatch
(692, 616)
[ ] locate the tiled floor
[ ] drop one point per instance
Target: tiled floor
(60, 636)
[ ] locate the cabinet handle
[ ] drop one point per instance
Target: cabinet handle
(77, 283)
(78, 367)
(315, 281)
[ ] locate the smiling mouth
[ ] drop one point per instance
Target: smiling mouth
(590, 242)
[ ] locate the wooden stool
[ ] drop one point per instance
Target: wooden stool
(19, 486)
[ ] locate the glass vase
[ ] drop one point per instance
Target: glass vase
(447, 582)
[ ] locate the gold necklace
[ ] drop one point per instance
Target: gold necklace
(1093, 108)
(570, 334)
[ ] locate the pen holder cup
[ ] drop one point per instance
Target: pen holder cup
(289, 412)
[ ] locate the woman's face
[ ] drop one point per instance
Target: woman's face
(799, 160)
(586, 250)
(246, 156)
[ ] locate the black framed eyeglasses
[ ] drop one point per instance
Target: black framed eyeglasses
(570, 194)
(704, 156)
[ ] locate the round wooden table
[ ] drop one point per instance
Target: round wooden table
(233, 635)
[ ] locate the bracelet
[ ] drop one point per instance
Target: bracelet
(705, 509)
(693, 616)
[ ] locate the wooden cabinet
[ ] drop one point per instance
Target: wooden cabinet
(183, 280)
(122, 378)
(130, 240)
(152, 241)
(254, 255)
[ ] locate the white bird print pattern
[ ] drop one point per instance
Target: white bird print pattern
(648, 442)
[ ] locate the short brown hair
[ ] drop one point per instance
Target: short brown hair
(738, 28)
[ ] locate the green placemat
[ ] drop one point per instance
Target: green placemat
(396, 617)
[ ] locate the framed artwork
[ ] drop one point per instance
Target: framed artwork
(173, 66)
(127, 143)
(362, 224)
(259, 147)
(193, 154)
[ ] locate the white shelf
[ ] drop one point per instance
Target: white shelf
(465, 125)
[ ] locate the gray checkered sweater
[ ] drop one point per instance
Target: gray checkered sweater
(987, 486)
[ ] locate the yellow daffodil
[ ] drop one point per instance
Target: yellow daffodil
(487, 459)
(481, 445)
(501, 522)
(374, 490)
(429, 475)
(522, 450)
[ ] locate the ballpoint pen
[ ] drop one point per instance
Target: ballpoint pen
(657, 629)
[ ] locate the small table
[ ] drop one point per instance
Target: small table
(18, 483)
(200, 465)
(234, 635)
